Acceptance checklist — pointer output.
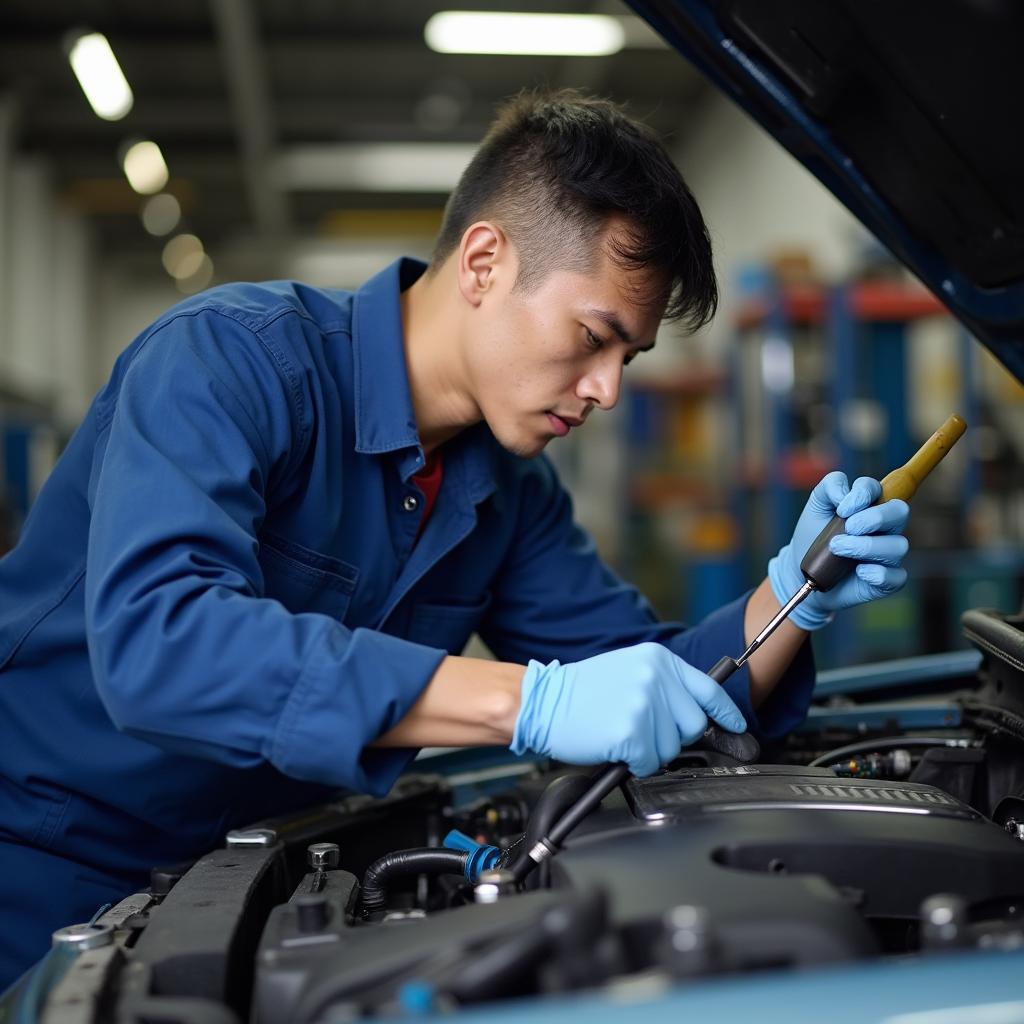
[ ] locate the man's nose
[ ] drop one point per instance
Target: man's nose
(600, 386)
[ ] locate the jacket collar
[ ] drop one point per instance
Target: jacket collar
(385, 421)
(384, 417)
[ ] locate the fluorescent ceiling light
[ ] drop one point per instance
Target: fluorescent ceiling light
(373, 167)
(572, 35)
(145, 169)
(100, 76)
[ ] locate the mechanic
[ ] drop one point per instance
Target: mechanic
(250, 576)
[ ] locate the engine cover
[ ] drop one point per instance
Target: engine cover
(681, 794)
(792, 865)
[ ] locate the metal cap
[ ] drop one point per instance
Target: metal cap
(323, 855)
(84, 936)
(239, 838)
(492, 884)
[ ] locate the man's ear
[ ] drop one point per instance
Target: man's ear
(483, 250)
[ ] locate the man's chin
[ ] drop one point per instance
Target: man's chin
(524, 448)
(525, 451)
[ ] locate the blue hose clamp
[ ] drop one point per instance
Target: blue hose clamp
(480, 858)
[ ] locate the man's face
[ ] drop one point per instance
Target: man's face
(541, 360)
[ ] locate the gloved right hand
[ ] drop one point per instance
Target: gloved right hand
(639, 704)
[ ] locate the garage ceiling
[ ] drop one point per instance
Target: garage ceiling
(257, 103)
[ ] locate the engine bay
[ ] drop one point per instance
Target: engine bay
(860, 839)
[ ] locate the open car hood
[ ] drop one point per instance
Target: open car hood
(908, 113)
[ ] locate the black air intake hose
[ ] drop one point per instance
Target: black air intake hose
(423, 861)
(559, 795)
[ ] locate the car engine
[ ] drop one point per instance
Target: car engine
(860, 838)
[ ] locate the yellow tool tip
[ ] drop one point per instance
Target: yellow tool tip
(954, 427)
(950, 432)
(903, 482)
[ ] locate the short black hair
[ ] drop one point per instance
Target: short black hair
(552, 169)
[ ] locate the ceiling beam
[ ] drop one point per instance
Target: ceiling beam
(244, 64)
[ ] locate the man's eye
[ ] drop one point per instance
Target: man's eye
(592, 339)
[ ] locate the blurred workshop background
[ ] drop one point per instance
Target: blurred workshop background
(317, 139)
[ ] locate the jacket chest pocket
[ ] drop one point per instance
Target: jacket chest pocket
(447, 626)
(304, 580)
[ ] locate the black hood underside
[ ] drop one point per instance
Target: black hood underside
(908, 112)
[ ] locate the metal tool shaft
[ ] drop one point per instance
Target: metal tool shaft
(776, 621)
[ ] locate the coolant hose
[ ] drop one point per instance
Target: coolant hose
(422, 861)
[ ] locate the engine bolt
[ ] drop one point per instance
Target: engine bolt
(492, 884)
(323, 856)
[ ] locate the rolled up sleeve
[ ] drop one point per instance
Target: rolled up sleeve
(186, 651)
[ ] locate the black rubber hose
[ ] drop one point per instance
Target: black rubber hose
(558, 796)
(596, 789)
(609, 779)
(422, 861)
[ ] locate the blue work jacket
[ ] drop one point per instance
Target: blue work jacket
(218, 599)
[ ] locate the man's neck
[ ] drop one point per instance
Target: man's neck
(433, 359)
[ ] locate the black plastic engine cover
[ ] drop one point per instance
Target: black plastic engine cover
(678, 795)
(760, 845)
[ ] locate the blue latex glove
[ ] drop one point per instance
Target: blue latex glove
(873, 538)
(639, 704)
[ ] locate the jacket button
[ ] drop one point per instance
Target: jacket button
(411, 503)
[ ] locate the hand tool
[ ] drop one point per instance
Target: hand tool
(823, 570)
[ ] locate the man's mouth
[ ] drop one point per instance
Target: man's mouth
(561, 425)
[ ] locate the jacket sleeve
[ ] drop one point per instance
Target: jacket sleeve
(185, 650)
(555, 598)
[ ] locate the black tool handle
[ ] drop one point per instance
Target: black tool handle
(740, 745)
(820, 565)
(723, 668)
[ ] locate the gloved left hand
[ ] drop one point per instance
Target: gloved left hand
(873, 539)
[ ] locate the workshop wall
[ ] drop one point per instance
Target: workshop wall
(47, 348)
(758, 200)
(46, 339)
